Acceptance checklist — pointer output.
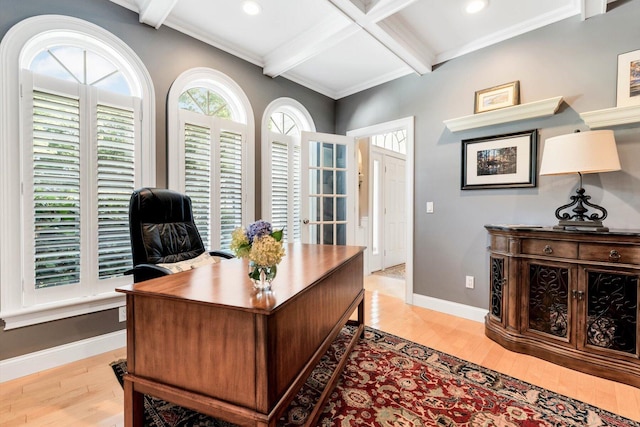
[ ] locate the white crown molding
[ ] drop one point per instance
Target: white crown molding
(612, 116)
(32, 363)
(545, 107)
(392, 75)
(387, 8)
(311, 84)
(155, 12)
(516, 30)
(223, 45)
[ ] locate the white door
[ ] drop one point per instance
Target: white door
(376, 210)
(329, 171)
(395, 218)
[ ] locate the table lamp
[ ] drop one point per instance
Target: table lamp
(580, 152)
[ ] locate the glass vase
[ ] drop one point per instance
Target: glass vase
(262, 275)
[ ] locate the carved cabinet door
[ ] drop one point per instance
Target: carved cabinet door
(498, 285)
(548, 306)
(608, 305)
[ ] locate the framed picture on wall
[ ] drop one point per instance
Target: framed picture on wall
(503, 161)
(496, 97)
(628, 79)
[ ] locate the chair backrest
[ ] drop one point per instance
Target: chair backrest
(161, 227)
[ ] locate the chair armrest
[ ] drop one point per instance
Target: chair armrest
(142, 272)
(221, 254)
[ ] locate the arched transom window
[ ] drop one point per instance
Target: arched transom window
(209, 136)
(285, 119)
(83, 150)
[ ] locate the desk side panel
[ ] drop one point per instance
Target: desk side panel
(300, 326)
(204, 349)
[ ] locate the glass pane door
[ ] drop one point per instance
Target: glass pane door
(328, 199)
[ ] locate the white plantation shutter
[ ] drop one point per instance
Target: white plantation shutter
(62, 189)
(197, 140)
(56, 190)
(79, 172)
(214, 152)
(116, 181)
(231, 191)
(280, 186)
(296, 208)
(286, 185)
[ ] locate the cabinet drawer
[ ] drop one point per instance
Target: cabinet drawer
(550, 248)
(499, 243)
(604, 252)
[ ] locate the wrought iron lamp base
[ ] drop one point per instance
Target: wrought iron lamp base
(580, 225)
(579, 220)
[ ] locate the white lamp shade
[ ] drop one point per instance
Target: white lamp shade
(584, 152)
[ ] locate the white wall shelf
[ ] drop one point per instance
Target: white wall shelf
(612, 116)
(530, 110)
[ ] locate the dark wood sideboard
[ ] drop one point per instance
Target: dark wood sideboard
(569, 297)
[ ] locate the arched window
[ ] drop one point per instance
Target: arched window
(283, 121)
(83, 148)
(210, 131)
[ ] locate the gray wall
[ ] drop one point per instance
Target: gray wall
(166, 54)
(572, 58)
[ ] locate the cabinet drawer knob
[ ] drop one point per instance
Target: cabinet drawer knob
(548, 250)
(614, 255)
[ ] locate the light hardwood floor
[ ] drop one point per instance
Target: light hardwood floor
(86, 393)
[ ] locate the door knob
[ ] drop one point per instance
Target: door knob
(305, 221)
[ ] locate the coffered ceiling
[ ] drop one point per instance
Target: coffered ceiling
(340, 47)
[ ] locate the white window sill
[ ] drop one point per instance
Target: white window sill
(60, 310)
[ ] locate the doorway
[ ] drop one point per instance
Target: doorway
(387, 215)
(385, 202)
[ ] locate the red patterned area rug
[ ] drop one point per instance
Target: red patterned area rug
(390, 381)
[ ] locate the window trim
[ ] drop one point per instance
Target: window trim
(242, 110)
(12, 58)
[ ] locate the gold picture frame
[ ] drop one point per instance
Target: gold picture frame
(628, 79)
(493, 98)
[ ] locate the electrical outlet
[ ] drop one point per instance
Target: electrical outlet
(469, 282)
(122, 313)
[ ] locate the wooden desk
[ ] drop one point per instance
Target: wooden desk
(206, 340)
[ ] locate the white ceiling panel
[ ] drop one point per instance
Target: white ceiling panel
(357, 63)
(447, 29)
(340, 47)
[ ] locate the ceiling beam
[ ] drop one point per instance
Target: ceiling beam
(155, 12)
(312, 42)
(379, 22)
(591, 8)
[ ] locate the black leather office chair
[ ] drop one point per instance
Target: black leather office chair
(162, 231)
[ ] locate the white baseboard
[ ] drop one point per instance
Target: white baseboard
(31, 363)
(449, 307)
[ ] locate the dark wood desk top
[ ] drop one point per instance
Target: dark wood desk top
(227, 283)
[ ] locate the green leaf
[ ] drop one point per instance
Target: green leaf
(277, 234)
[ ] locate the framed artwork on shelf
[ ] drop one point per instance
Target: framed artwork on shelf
(503, 161)
(493, 98)
(628, 79)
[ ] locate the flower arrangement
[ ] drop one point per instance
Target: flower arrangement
(262, 247)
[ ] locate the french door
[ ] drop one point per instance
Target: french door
(328, 189)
